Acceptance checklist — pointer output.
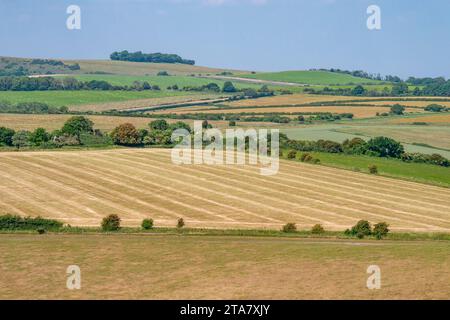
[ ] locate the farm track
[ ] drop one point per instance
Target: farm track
(82, 187)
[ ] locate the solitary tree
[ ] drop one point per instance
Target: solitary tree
(126, 134)
(229, 87)
(77, 125)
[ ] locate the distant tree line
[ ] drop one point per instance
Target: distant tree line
(31, 108)
(149, 57)
(66, 83)
(23, 67)
(363, 74)
(440, 89)
(76, 131)
(276, 117)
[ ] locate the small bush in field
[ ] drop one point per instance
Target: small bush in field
(317, 229)
(111, 223)
(289, 227)
(380, 230)
(147, 224)
(180, 223)
(306, 157)
(315, 161)
(292, 154)
(41, 231)
(373, 169)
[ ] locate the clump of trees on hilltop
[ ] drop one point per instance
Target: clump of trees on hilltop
(149, 57)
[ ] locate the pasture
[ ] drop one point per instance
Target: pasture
(311, 77)
(203, 267)
(80, 188)
(83, 97)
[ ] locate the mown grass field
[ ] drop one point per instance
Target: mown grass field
(203, 267)
(80, 188)
(310, 77)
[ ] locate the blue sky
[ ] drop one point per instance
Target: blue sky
(262, 35)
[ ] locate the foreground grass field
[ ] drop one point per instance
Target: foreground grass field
(80, 188)
(203, 267)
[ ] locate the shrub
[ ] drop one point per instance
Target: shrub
(306, 157)
(6, 136)
(232, 124)
(41, 231)
(159, 124)
(14, 222)
(380, 230)
(289, 227)
(292, 154)
(147, 224)
(111, 223)
(180, 223)
(397, 109)
(317, 229)
(362, 229)
(373, 169)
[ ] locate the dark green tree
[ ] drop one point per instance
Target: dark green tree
(77, 125)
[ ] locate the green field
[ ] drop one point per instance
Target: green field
(68, 98)
(310, 77)
(125, 266)
(388, 167)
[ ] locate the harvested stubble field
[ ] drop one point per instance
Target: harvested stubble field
(56, 121)
(80, 188)
(292, 99)
(440, 118)
(358, 112)
(139, 68)
(190, 267)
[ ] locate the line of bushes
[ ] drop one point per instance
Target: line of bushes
(66, 83)
(14, 222)
(375, 147)
(361, 229)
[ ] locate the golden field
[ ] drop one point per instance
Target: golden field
(80, 188)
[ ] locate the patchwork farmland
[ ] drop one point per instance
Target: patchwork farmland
(80, 188)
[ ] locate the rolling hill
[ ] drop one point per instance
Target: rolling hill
(311, 77)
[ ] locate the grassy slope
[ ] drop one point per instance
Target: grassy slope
(190, 267)
(388, 167)
(140, 68)
(60, 98)
(310, 77)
